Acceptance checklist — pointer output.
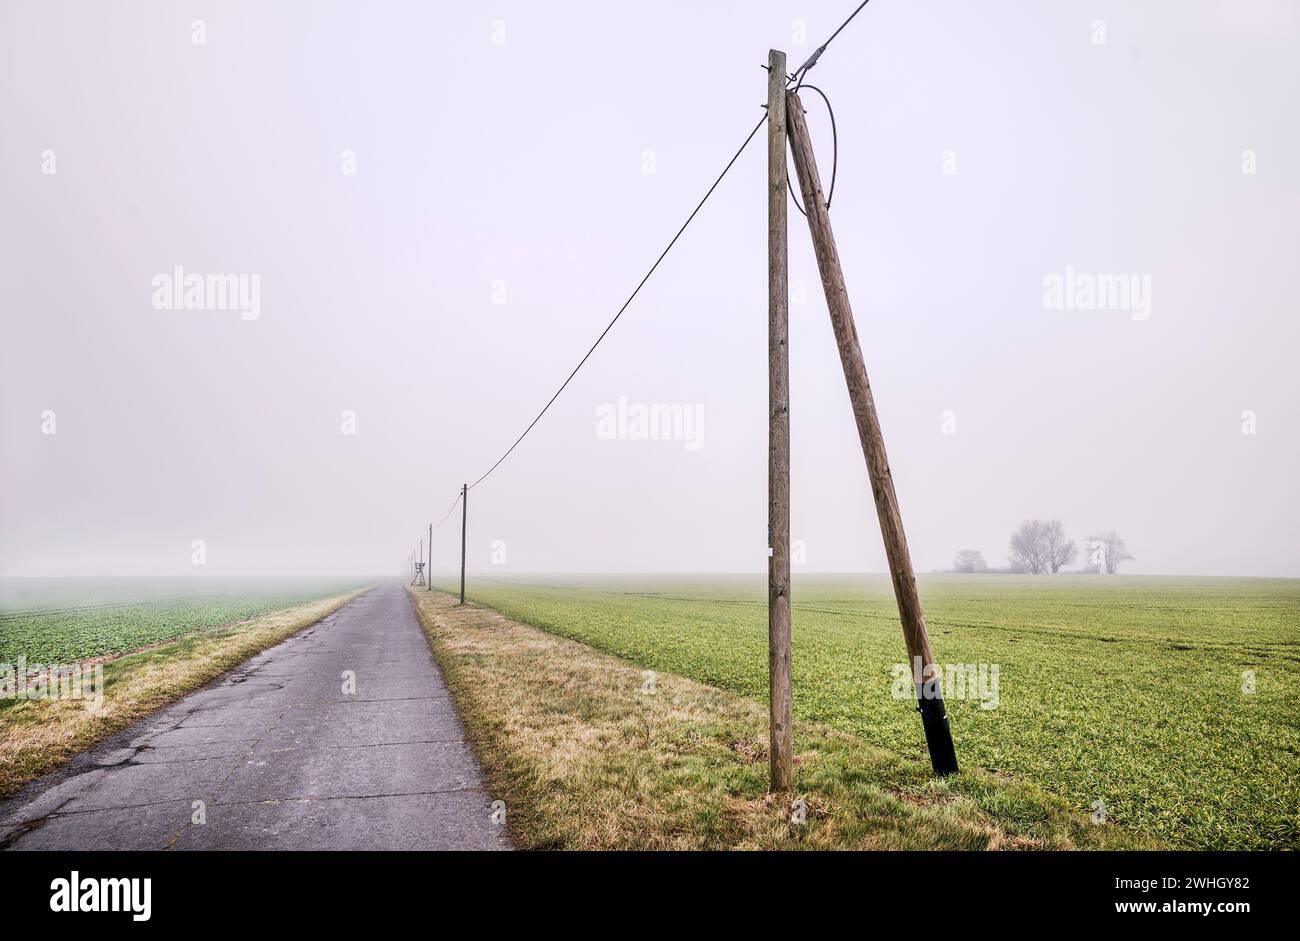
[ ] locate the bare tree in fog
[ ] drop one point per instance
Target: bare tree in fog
(1028, 550)
(1061, 549)
(1107, 551)
(1038, 547)
(969, 561)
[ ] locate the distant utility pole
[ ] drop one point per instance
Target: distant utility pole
(781, 741)
(464, 517)
(430, 572)
(938, 735)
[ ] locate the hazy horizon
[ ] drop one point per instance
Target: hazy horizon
(423, 247)
(448, 575)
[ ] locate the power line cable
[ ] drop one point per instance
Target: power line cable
(627, 302)
(797, 75)
(438, 525)
(812, 59)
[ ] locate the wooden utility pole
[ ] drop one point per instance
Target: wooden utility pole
(429, 573)
(929, 695)
(464, 517)
(778, 440)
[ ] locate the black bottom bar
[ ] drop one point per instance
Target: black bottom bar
(303, 890)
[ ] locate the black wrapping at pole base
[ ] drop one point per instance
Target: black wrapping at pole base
(938, 736)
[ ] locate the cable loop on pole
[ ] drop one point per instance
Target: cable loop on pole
(835, 151)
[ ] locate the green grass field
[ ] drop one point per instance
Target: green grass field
(64, 620)
(1126, 690)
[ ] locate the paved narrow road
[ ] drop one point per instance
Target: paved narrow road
(281, 757)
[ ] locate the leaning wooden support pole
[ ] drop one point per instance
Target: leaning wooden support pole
(429, 568)
(929, 693)
(778, 450)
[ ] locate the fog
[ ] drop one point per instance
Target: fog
(431, 210)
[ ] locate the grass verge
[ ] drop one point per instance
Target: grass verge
(591, 752)
(1169, 700)
(38, 736)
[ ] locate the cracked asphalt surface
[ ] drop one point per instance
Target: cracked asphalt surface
(281, 757)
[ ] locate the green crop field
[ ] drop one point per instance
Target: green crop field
(63, 620)
(1129, 691)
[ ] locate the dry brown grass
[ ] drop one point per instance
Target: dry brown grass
(38, 736)
(586, 758)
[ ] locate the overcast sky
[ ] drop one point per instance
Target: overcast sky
(444, 204)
